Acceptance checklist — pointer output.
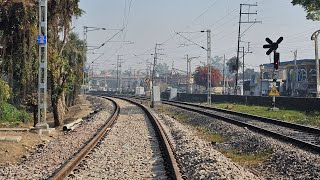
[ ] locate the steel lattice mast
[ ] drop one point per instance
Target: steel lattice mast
(42, 81)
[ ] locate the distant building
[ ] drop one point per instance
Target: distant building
(294, 78)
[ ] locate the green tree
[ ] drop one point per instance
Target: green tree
(59, 22)
(217, 62)
(312, 7)
(19, 27)
(232, 64)
(162, 68)
(73, 52)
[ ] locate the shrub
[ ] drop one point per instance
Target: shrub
(9, 113)
(5, 90)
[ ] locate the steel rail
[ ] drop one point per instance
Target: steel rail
(300, 128)
(300, 143)
(65, 170)
(251, 116)
(165, 143)
(255, 117)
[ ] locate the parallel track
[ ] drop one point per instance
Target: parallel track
(302, 136)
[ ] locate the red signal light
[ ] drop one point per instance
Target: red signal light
(276, 61)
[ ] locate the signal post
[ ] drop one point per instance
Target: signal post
(273, 46)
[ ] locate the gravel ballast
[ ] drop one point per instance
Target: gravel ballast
(197, 157)
(130, 150)
(285, 162)
(44, 159)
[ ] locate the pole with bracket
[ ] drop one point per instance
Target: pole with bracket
(43, 71)
(209, 65)
(315, 38)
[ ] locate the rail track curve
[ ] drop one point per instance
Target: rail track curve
(164, 142)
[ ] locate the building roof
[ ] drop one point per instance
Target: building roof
(291, 63)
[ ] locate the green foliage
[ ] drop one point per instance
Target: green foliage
(18, 29)
(286, 115)
(217, 62)
(249, 159)
(232, 64)
(8, 113)
(312, 8)
(162, 68)
(206, 134)
(5, 90)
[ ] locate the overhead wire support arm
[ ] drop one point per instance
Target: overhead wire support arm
(191, 41)
(111, 38)
(240, 35)
(249, 13)
(98, 28)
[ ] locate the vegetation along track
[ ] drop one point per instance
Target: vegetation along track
(73, 162)
(302, 136)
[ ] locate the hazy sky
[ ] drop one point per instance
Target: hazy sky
(149, 22)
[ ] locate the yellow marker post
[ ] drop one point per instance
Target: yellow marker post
(274, 92)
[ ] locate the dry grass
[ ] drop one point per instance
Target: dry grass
(247, 159)
(209, 136)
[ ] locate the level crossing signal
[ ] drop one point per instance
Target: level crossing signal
(276, 61)
(272, 46)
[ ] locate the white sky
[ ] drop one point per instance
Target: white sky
(156, 21)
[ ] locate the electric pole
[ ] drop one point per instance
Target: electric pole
(153, 73)
(209, 65)
(43, 71)
(242, 70)
(189, 90)
(208, 61)
(240, 35)
(155, 55)
(295, 54)
(315, 38)
(187, 66)
(119, 63)
(243, 64)
(84, 51)
(224, 78)
(148, 74)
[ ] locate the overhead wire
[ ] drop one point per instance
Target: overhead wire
(215, 2)
(188, 26)
(198, 17)
(125, 25)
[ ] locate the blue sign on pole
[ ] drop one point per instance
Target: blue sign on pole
(84, 69)
(42, 40)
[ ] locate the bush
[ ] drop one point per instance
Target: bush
(8, 113)
(5, 90)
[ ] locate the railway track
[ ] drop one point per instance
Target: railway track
(65, 170)
(302, 136)
(172, 169)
